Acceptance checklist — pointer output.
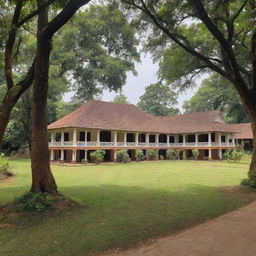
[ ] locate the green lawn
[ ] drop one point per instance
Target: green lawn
(122, 204)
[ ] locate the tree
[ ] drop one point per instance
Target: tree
(216, 36)
(158, 100)
(216, 93)
(121, 98)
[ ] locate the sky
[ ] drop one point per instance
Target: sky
(135, 85)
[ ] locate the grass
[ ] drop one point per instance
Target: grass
(121, 205)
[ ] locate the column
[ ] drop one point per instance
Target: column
(147, 139)
(184, 140)
(147, 154)
(52, 137)
(233, 140)
(98, 139)
(74, 156)
(85, 155)
(184, 154)
(176, 138)
(220, 153)
(62, 155)
(125, 139)
(227, 140)
(157, 139)
(210, 153)
(209, 139)
(114, 156)
(115, 139)
(219, 139)
(85, 138)
(62, 139)
(168, 140)
(196, 137)
(74, 137)
(52, 155)
(136, 139)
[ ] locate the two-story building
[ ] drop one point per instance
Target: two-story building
(111, 126)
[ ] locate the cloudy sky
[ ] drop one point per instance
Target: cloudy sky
(135, 85)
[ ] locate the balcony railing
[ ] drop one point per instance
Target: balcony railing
(139, 144)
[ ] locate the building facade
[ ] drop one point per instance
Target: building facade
(111, 127)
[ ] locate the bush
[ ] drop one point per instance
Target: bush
(84, 161)
(97, 156)
(139, 155)
(195, 153)
(38, 202)
(5, 168)
(152, 154)
(245, 181)
(236, 156)
(233, 155)
(122, 156)
(161, 157)
(173, 154)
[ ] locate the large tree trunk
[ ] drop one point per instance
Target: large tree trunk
(42, 178)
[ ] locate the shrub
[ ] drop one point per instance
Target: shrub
(84, 161)
(38, 202)
(161, 157)
(245, 181)
(139, 155)
(236, 156)
(225, 156)
(122, 156)
(195, 153)
(173, 154)
(5, 168)
(152, 154)
(97, 156)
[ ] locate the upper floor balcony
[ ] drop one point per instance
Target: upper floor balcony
(79, 138)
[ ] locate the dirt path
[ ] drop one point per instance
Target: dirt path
(232, 234)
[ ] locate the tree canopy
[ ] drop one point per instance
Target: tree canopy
(121, 98)
(216, 93)
(159, 100)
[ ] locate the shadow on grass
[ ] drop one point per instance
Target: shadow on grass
(118, 217)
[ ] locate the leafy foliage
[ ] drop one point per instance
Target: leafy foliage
(122, 156)
(5, 168)
(139, 155)
(121, 98)
(152, 154)
(195, 153)
(97, 156)
(216, 93)
(173, 154)
(158, 100)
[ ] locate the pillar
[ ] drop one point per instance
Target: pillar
(62, 155)
(62, 139)
(52, 136)
(220, 153)
(184, 140)
(52, 155)
(157, 139)
(115, 139)
(85, 138)
(227, 140)
(147, 139)
(209, 140)
(168, 140)
(233, 140)
(114, 156)
(176, 138)
(74, 136)
(85, 155)
(184, 154)
(196, 135)
(210, 153)
(74, 156)
(136, 139)
(219, 139)
(125, 139)
(98, 138)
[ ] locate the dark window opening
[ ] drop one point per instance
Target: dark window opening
(180, 138)
(162, 138)
(142, 137)
(152, 138)
(82, 136)
(203, 138)
(130, 137)
(223, 138)
(191, 138)
(105, 136)
(171, 139)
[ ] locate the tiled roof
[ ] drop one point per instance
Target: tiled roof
(127, 117)
(242, 131)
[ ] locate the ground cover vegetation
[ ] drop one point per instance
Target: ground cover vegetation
(120, 205)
